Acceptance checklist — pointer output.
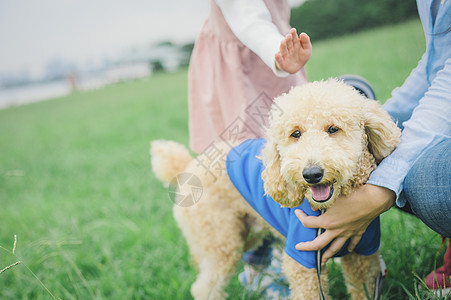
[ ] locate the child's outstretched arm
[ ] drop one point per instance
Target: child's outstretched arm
(251, 22)
(294, 52)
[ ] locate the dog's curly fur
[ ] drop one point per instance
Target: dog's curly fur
(340, 132)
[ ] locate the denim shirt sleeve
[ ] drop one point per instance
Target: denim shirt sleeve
(422, 106)
(429, 124)
(406, 98)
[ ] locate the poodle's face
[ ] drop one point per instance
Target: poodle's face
(320, 144)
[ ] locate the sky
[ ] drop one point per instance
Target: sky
(32, 32)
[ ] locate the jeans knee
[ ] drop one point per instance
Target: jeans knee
(427, 188)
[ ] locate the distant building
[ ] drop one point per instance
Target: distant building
(128, 71)
(165, 56)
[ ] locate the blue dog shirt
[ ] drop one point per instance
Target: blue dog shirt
(245, 169)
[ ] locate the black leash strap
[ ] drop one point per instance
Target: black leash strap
(379, 280)
(319, 254)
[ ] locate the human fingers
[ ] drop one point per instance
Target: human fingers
(317, 244)
(305, 40)
(279, 61)
(283, 48)
(308, 221)
(294, 37)
(334, 247)
(289, 41)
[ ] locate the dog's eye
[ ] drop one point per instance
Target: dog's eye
(332, 130)
(296, 134)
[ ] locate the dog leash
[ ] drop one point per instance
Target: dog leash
(319, 255)
(379, 279)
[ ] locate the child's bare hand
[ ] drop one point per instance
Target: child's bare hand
(294, 52)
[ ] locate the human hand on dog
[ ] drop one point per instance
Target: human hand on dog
(347, 219)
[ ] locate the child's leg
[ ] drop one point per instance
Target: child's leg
(262, 271)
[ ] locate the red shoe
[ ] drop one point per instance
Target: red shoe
(440, 279)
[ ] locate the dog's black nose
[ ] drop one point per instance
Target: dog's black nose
(313, 175)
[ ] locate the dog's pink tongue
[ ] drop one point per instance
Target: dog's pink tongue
(320, 192)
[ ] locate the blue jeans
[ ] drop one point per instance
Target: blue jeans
(427, 188)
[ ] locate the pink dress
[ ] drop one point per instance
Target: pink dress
(230, 89)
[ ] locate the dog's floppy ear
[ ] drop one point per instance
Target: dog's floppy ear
(275, 185)
(383, 134)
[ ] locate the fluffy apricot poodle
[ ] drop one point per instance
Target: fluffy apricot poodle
(323, 140)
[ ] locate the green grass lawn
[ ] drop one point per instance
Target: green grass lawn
(91, 220)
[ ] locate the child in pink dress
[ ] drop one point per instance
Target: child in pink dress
(245, 55)
(240, 62)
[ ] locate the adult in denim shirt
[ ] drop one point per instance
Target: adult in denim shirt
(417, 175)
